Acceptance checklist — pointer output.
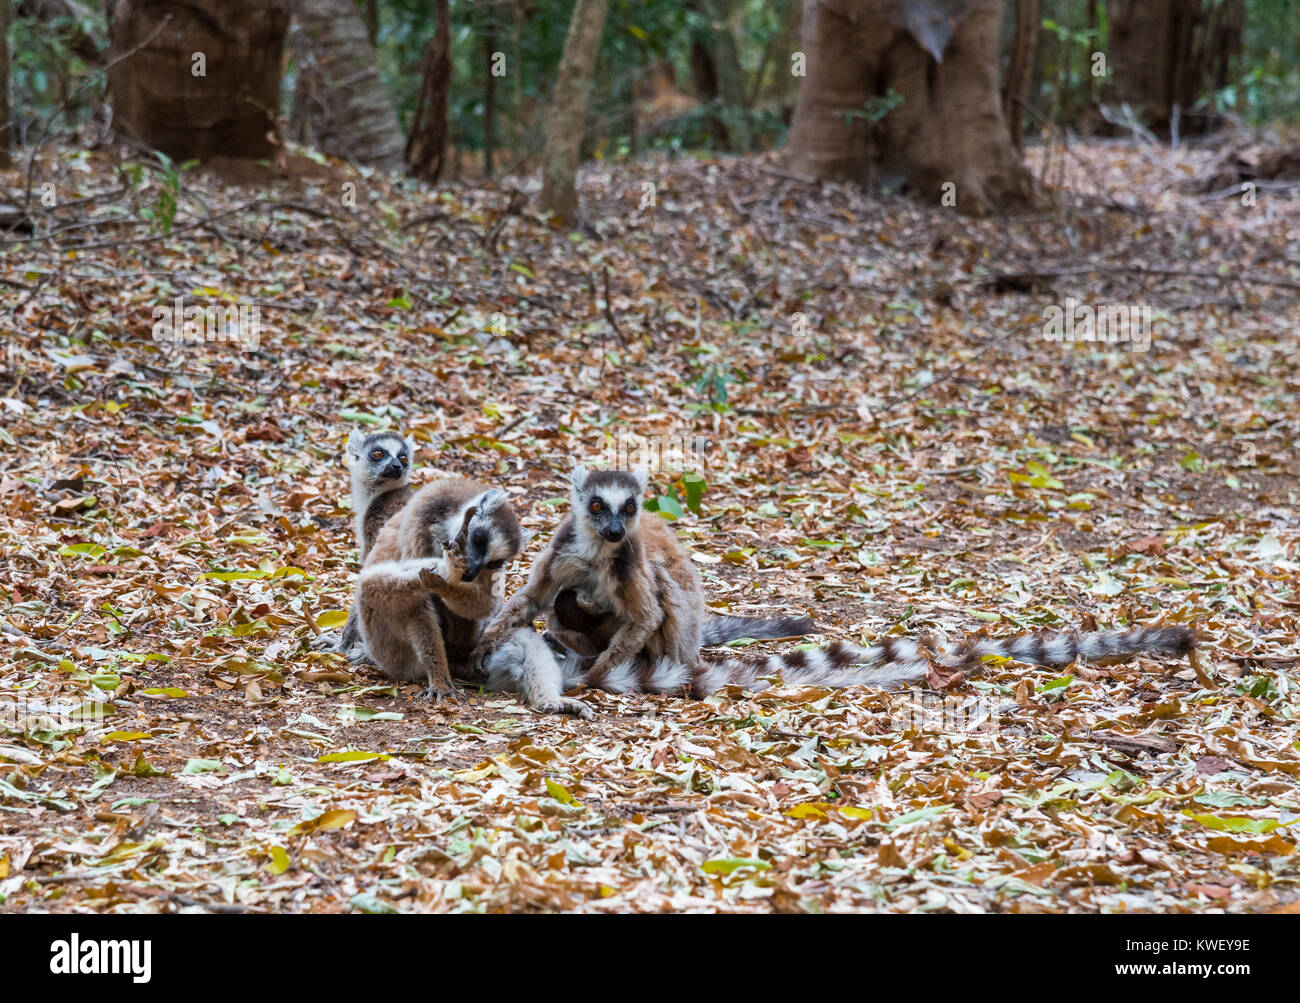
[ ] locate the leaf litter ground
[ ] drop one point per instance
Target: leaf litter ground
(888, 442)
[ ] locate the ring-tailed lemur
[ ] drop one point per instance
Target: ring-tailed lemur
(433, 577)
(603, 558)
(636, 570)
(527, 664)
(380, 468)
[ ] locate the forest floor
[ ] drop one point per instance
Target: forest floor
(887, 440)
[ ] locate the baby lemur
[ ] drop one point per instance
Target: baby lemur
(380, 467)
(433, 577)
(622, 589)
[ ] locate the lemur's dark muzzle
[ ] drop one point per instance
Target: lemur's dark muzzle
(613, 532)
(472, 569)
(392, 469)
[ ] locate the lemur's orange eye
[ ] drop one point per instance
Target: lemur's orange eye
(403, 459)
(596, 506)
(376, 454)
(630, 507)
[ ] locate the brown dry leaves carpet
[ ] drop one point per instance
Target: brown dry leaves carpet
(899, 450)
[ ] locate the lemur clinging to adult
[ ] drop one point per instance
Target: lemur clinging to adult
(380, 468)
(604, 558)
(433, 577)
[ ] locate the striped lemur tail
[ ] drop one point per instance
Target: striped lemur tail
(543, 671)
(903, 661)
(575, 615)
(722, 629)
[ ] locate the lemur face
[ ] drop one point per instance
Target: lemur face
(383, 456)
(492, 536)
(608, 501)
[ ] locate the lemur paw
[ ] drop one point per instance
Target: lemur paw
(454, 556)
(566, 705)
(430, 578)
(360, 655)
(438, 692)
(325, 642)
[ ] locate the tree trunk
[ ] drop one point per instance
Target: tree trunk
(340, 104)
(568, 114)
(946, 140)
(205, 81)
(719, 79)
(1015, 94)
(372, 21)
(5, 130)
(1166, 53)
(426, 144)
(489, 100)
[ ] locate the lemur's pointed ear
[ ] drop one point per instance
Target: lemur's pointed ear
(409, 443)
(579, 477)
(642, 478)
(356, 444)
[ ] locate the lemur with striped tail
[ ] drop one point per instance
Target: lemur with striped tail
(380, 469)
(630, 615)
(645, 593)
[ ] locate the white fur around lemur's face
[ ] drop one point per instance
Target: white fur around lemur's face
(379, 462)
(606, 503)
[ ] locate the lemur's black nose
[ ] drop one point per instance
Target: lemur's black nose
(392, 469)
(612, 533)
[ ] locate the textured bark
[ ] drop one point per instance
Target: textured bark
(1165, 53)
(950, 126)
(5, 131)
(426, 144)
(568, 113)
(1015, 94)
(158, 100)
(340, 104)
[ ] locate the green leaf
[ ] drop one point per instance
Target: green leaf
(279, 860)
(933, 811)
(141, 768)
(353, 756)
(367, 902)
(90, 550)
(560, 794)
(203, 766)
(361, 416)
(332, 618)
(666, 505)
(694, 486)
(1231, 824)
(728, 865)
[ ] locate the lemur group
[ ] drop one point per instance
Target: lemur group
(624, 607)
